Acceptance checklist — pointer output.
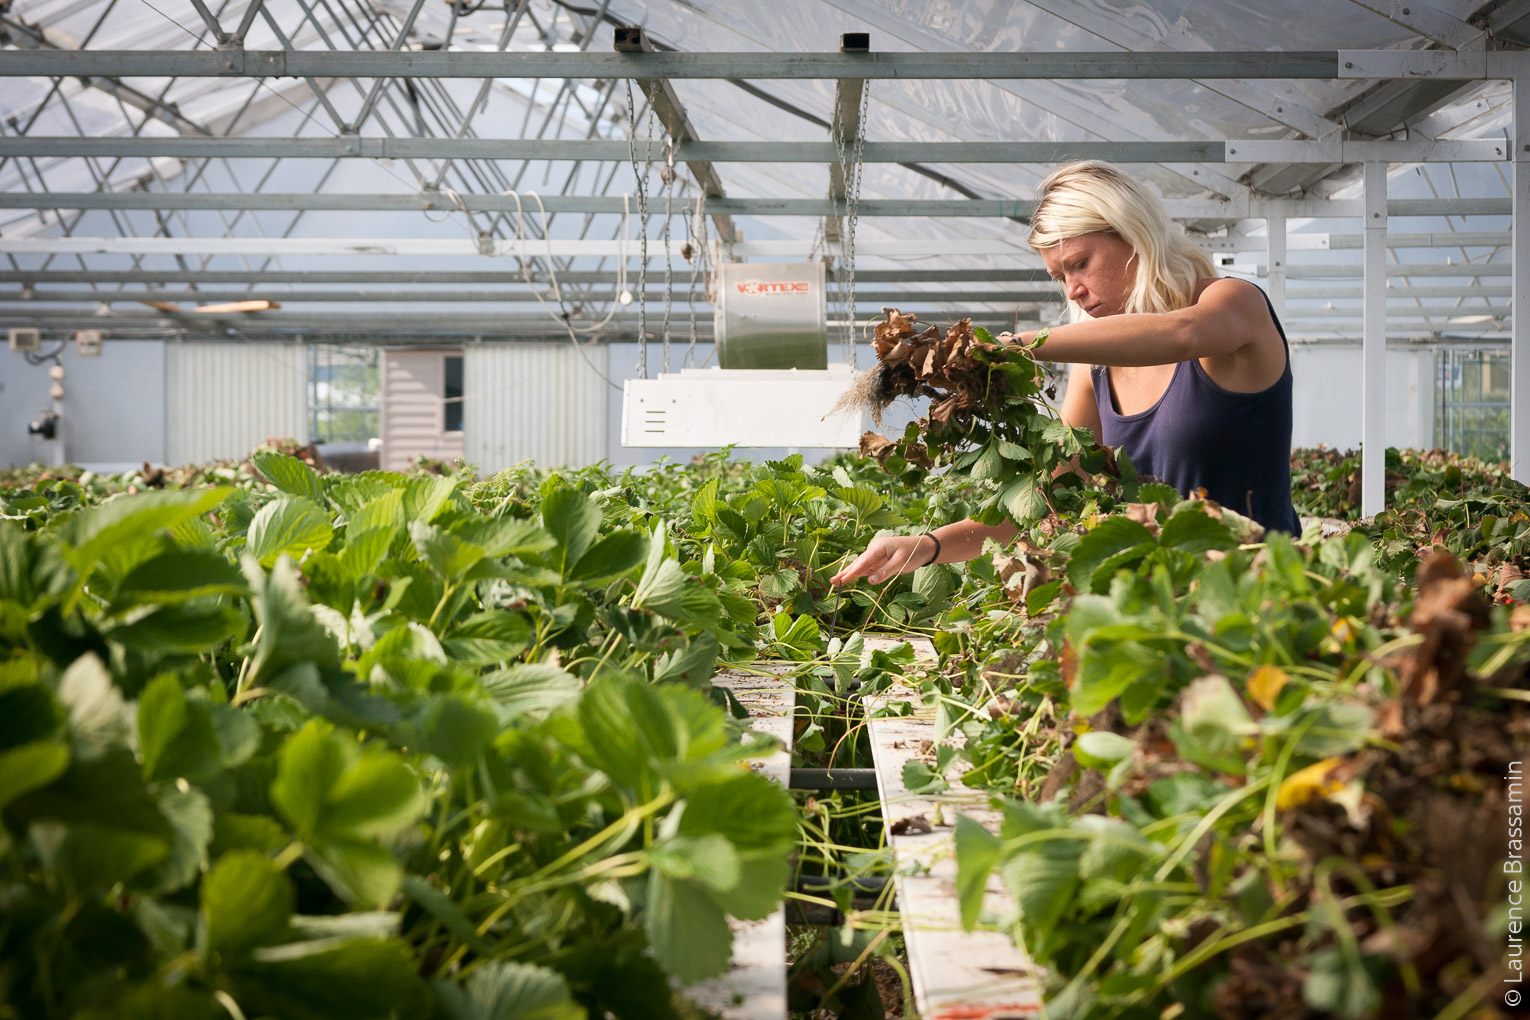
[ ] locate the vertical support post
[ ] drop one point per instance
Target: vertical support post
(1275, 248)
(1373, 412)
(62, 423)
(1519, 347)
(1425, 403)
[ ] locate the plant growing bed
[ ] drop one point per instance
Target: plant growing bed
(428, 745)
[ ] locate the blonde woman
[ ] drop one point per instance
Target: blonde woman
(1188, 372)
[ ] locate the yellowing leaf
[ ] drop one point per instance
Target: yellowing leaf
(1265, 685)
(1342, 629)
(1309, 784)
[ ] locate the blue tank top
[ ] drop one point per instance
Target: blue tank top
(1236, 446)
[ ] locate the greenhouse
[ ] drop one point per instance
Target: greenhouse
(581, 509)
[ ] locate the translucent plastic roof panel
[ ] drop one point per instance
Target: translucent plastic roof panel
(898, 112)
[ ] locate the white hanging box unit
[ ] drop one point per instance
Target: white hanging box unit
(742, 407)
(774, 386)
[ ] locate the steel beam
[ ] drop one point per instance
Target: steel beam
(1338, 150)
(665, 104)
(457, 278)
(998, 208)
(355, 147)
(911, 299)
(392, 319)
(124, 308)
(1373, 358)
(1355, 272)
(1430, 22)
(1313, 241)
(1509, 19)
(210, 20)
(531, 248)
(1320, 64)
(536, 248)
(1401, 292)
(1077, 65)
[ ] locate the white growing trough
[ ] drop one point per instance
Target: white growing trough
(957, 975)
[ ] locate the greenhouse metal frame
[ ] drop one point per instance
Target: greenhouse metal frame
(161, 112)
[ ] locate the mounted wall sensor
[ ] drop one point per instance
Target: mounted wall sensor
(24, 339)
(87, 343)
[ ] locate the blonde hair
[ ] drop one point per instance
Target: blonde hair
(1091, 197)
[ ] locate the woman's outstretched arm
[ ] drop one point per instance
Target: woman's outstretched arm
(1225, 318)
(891, 555)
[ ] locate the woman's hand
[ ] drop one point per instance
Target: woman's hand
(888, 556)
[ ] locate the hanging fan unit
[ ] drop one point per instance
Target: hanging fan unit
(771, 315)
(774, 386)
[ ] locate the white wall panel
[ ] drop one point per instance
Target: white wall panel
(413, 420)
(540, 402)
(112, 416)
(223, 400)
(1327, 396)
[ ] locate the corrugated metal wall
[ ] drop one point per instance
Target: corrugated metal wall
(541, 402)
(413, 408)
(223, 400)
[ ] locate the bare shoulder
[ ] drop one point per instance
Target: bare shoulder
(1247, 354)
(1240, 306)
(1224, 292)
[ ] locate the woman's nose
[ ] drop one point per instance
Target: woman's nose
(1076, 290)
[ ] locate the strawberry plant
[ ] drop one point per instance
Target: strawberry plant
(360, 746)
(988, 421)
(417, 745)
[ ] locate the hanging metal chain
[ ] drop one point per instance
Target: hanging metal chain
(667, 177)
(852, 208)
(837, 136)
(641, 175)
(815, 250)
(850, 164)
(695, 230)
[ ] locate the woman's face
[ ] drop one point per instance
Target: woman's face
(1096, 271)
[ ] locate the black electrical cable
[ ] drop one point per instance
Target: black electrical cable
(43, 359)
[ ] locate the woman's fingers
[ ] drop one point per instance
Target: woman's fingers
(899, 559)
(894, 556)
(884, 558)
(863, 565)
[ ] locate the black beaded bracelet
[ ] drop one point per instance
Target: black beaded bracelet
(931, 536)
